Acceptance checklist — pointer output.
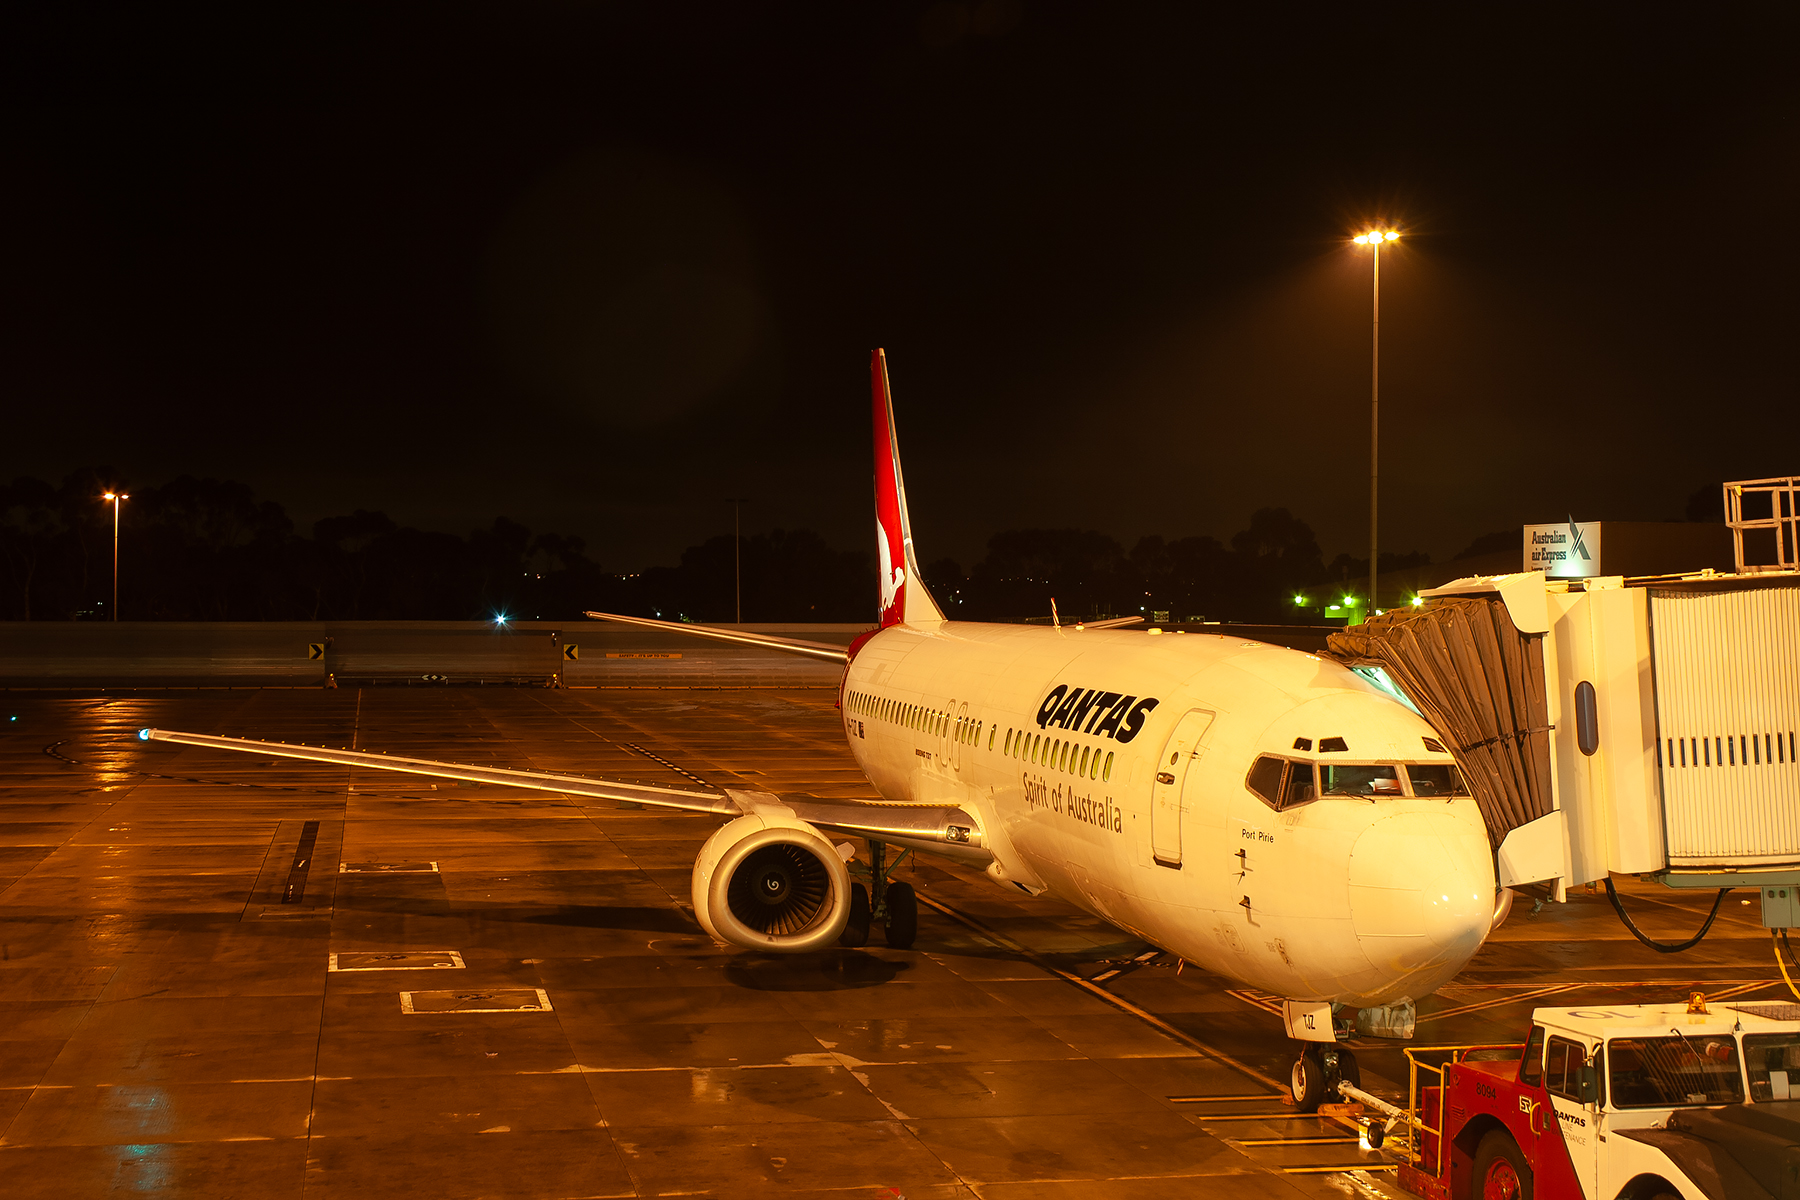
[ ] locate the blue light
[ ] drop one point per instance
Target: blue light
(499, 618)
(143, 734)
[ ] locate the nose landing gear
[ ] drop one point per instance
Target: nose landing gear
(1318, 1071)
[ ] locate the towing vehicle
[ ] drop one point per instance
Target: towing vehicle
(1608, 1102)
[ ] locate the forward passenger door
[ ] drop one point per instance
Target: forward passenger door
(1179, 754)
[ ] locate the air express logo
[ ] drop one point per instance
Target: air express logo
(1089, 710)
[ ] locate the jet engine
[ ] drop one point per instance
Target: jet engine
(769, 882)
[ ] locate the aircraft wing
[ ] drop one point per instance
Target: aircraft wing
(767, 641)
(946, 828)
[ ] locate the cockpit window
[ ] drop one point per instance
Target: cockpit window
(1298, 788)
(1436, 779)
(1359, 779)
(1265, 779)
(1282, 784)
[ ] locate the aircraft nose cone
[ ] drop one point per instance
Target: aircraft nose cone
(1421, 891)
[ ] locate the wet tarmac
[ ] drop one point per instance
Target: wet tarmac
(225, 976)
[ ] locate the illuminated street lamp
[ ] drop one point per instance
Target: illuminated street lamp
(117, 498)
(1375, 239)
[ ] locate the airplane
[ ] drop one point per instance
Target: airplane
(1263, 813)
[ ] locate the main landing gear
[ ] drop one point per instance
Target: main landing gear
(1318, 1071)
(894, 906)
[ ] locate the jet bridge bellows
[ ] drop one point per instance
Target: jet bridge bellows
(1615, 727)
(1480, 681)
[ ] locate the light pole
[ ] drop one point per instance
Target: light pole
(737, 554)
(117, 498)
(1374, 239)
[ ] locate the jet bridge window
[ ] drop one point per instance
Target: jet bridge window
(1359, 779)
(1436, 779)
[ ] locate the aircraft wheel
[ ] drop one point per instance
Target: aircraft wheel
(902, 916)
(856, 929)
(1500, 1170)
(1344, 1070)
(1307, 1082)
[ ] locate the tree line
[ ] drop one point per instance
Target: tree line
(210, 550)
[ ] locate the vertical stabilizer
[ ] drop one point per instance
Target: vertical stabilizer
(904, 599)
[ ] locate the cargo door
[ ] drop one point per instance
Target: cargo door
(1179, 753)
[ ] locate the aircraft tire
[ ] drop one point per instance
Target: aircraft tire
(1500, 1171)
(856, 929)
(902, 916)
(1347, 1070)
(1307, 1082)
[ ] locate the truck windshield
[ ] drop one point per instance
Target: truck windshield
(1359, 779)
(1773, 1063)
(1667, 1072)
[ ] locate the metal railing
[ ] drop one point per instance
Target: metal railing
(1414, 1123)
(1783, 521)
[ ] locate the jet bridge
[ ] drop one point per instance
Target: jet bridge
(1620, 726)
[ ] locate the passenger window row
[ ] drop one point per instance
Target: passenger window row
(1284, 783)
(1055, 754)
(931, 721)
(1740, 750)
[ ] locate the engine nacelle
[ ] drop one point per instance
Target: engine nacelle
(768, 882)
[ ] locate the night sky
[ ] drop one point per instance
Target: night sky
(598, 267)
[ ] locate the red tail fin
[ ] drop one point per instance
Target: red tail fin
(904, 599)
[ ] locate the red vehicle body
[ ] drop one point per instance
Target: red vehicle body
(1476, 1097)
(1615, 1102)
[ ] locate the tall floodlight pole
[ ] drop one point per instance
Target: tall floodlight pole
(116, 497)
(737, 554)
(1374, 239)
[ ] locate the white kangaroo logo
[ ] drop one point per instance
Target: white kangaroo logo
(892, 578)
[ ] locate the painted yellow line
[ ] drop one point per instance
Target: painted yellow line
(1318, 1141)
(1217, 1099)
(1280, 1116)
(1460, 1009)
(1344, 1167)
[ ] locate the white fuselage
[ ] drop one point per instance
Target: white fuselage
(1137, 805)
